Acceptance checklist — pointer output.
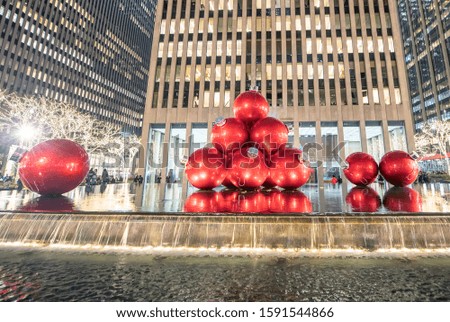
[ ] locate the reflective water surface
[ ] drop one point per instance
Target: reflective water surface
(34, 275)
(176, 198)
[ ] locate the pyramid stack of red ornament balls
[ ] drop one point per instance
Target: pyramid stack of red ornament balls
(249, 151)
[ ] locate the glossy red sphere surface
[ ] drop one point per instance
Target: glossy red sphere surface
(270, 134)
(399, 168)
(251, 202)
(403, 199)
(289, 172)
(290, 202)
(229, 134)
(362, 169)
(54, 167)
(205, 168)
(248, 169)
(227, 183)
(249, 107)
(204, 202)
(363, 199)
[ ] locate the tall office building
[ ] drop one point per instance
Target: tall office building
(331, 69)
(425, 25)
(92, 54)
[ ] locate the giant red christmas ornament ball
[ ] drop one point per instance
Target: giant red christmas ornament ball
(363, 199)
(290, 202)
(362, 169)
(270, 134)
(205, 168)
(248, 169)
(399, 168)
(54, 167)
(228, 134)
(249, 107)
(289, 171)
(204, 202)
(269, 183)
(227, 183)
(403, 199)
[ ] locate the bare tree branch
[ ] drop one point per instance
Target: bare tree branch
(434, 138)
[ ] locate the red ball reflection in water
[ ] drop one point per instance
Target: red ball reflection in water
(249, 107)
(290, 202)
(362, 169)
(54, 167)
(49, 204)
(403, 199)
(204, 202)
(399, 168)
(363, 199)
(252, 202)
(229, 199)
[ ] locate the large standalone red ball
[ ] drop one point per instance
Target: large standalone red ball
(363, 199)
(249, 107)
(290, 202)
(205, 168)
(403, 199)
(289, 171)
(270, 134)
(362, 169)
(54, 167)
(399, 168)
(248, 169)
(229, 134)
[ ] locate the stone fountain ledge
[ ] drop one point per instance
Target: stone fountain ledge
(316, 235)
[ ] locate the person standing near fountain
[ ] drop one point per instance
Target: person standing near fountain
(105, 176)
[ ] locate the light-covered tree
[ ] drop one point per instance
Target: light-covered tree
(33, 120)
(123, 147)
(434, 137)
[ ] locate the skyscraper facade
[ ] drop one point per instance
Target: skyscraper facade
(332, 70)
(92, 54)
(425, 26)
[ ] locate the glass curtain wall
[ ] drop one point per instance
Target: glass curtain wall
(352, 138)
(155, 157)
(397, 135)
(308, 143)
(199, 136)
(375, 143)
(330, 141)
(177, 153)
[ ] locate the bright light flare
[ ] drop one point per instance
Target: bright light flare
(27, 132)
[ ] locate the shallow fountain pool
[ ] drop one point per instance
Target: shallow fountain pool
(37, 275)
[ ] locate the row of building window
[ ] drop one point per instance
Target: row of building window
(213, 25)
